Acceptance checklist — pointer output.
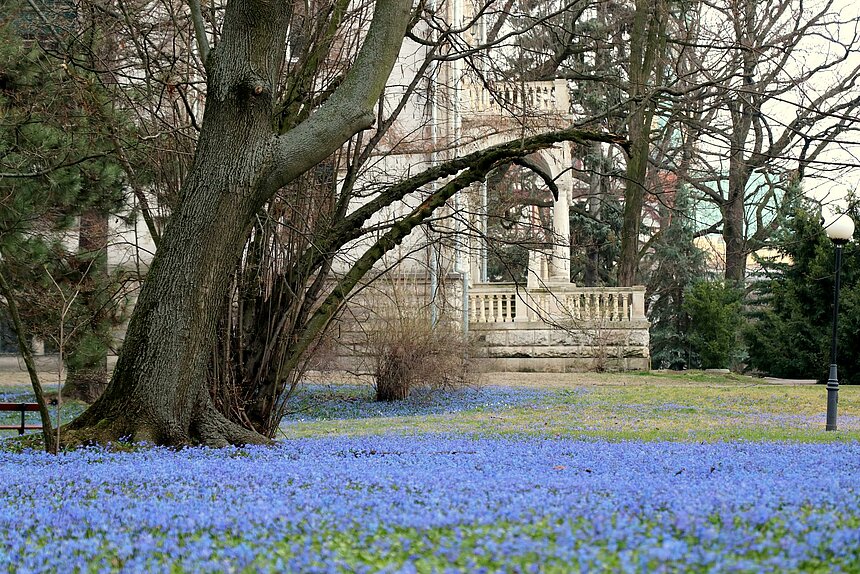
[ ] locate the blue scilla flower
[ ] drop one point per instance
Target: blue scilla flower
(393, 503)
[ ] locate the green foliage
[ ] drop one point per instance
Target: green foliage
(48, 277)
(507, 262)
(716, 315)
(678, 263)
(57, 133)
(791, 318)
(53, 147)
(597, 244)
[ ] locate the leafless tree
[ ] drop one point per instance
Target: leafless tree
(777, 96)
(269, 122)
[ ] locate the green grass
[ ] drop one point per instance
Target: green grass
(693, 406)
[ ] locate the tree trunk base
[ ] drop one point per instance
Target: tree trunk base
(208, 428)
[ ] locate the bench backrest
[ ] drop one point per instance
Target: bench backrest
(19, 407)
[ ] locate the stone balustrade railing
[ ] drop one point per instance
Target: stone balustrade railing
(550, 96)
(505, 303)
(497, 305)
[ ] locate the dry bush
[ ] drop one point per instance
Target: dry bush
(408, 353)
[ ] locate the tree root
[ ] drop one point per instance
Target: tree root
(215, 430)
(208, 428)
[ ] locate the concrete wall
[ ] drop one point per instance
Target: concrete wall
(538, 347)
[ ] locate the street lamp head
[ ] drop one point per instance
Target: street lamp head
(840, 230)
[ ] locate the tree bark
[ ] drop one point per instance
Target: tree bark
(634, 199)
(734, 229)
(158, 392)
(596, 196)
(647, 47)
(86, 364)
(742, 110)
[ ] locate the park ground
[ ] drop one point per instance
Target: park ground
(538, 472)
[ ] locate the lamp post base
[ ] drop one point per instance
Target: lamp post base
(832, 398)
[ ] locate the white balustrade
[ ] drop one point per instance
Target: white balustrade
(496, 97)
(493, 305)
(504, 303)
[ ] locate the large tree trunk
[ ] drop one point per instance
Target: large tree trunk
(733, 209)
(647, 46)
(165, 355)
(158, 391)
(634, 199)
(734, 235)
(591, 276)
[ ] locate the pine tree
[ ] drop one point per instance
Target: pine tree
(715, 311)
(57, 177)
(678, 264)
(596, 238)
(791, 320)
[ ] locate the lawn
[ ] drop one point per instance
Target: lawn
(632, 473)
(676, 407)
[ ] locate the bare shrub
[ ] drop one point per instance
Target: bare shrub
(408, 353)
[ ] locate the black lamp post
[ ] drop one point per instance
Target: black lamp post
(840, 231)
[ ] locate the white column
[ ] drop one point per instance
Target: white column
(560, 267)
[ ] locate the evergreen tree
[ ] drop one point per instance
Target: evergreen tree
(715, 309)
(789, 335)
(678, 264)
(596, 240)
(58, 182)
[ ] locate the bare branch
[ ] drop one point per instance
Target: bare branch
(199, 29)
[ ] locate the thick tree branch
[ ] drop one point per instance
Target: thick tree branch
(350, 109)
(470, 169)
(391, 239)
(540, 172)
(351, 227)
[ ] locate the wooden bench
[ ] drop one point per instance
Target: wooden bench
(22, 408)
